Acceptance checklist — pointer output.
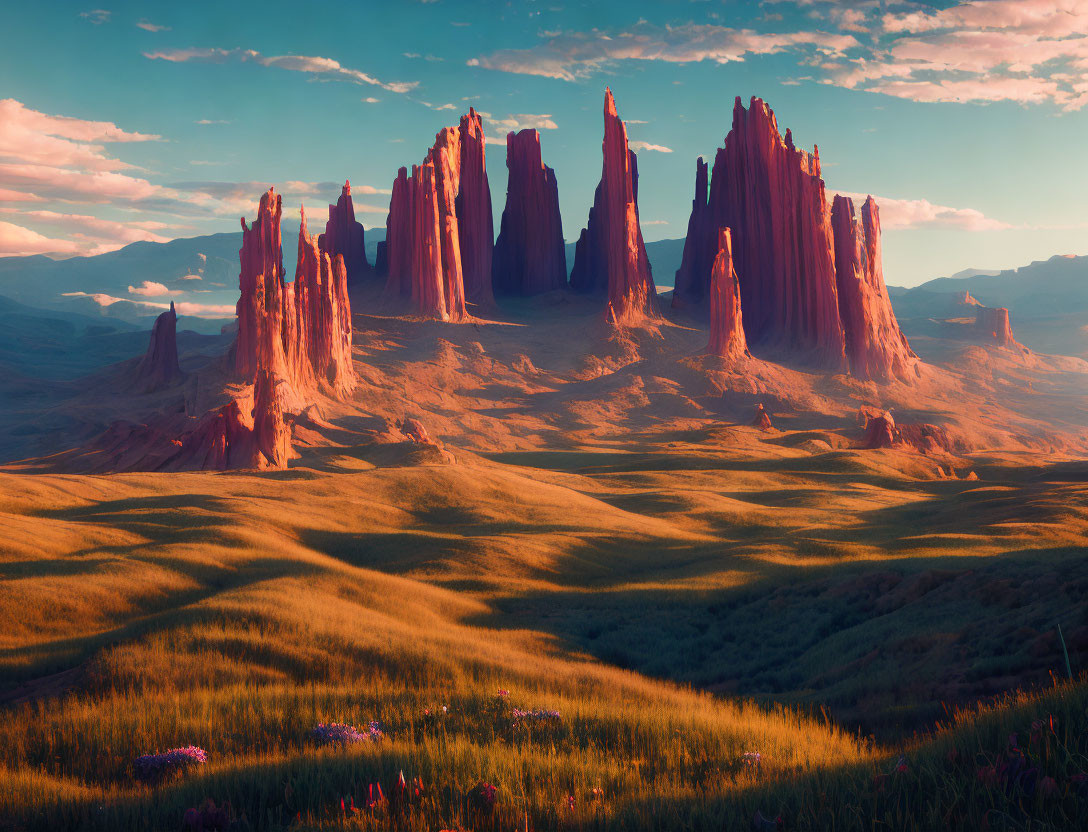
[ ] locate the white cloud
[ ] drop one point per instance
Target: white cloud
(97, 16)
(900, 214)
(316, 65)
(151, 27)
(151, 289)
(197, 310)
(660, 148)
(521, 121)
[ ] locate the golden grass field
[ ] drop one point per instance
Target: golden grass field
(612, 541)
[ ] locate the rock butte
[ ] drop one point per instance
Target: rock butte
(762, 419)
(344, 235)
(726, 326)
(875, 346)
(772, 197)
(301, 333)
(880, 431)
(530, 257)
(610, 255)
(159, 367)
(992, 325)
(439, 232)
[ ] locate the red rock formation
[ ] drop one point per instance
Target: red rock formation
(880, 432)
(610, 255)
(159, 367)
(967, 299)
(344, 236)
(322, 342)
(726, 326)
(474, 219)
(262, 300)
(530, 257)
(992, 325)
(300, 332)
(700, 249)
(875, 346)
(439, 234)
(762, 419)
(229, 439)
(414, 430)
(772, 197)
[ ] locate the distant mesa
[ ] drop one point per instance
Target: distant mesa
(439, 232)
(992, 326)
(610, 256)
(530, 257)
(771, 195)
(159, 368)
(344, 235)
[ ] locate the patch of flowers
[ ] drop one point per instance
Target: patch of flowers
(164, 763)
(535, 715)
(337, 733)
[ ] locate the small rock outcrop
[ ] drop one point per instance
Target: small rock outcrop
(229, 438)
(159, 367)
(530, 257)
(610, 256)
(439, 232)
(300, 332)
(992, 325)
(344, 236)
(762, 419)
(875, 345)
(726, 326)
(879, 432)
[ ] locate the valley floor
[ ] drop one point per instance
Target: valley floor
(612, 542)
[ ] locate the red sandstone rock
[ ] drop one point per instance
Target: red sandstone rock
(344, 236)
(992, 325)
(414, 430)
(875, 346)
(299, 332)
(700, 250)
(726, 326)
(262, 295)
(476, 225)
(610, 255)
(159, 367)
(322, 329)
(530, 257)
(762, 420)
(880, 432)
(439, 234)
(967, 299)
(772, 197)
(228, 438)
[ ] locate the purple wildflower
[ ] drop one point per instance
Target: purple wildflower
(156, 766)
(536, 715)
(752, 759)
(337, 733)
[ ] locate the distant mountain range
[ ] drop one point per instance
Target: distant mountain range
(1047, 300)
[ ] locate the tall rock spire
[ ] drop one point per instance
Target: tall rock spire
(610, 255)
(726, 325)
(299, 332)
(159, 367)
(530, 257)
(875, 346)
(344, 236)
(700, 249)
(473, 203)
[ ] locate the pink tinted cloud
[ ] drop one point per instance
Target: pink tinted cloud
(197, 310)
(151, 289)
(17, 241)
(900, 214)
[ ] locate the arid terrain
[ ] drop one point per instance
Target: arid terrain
(598, 528)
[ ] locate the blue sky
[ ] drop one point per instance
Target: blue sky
(153, 121)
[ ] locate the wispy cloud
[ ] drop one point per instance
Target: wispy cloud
(97, 16)
(660, 148)
(521, 121)
(900, 214)
(197, 310)
(570, 56)
(151, 289)
(314, 65)
(151, 27)
(206, 121)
